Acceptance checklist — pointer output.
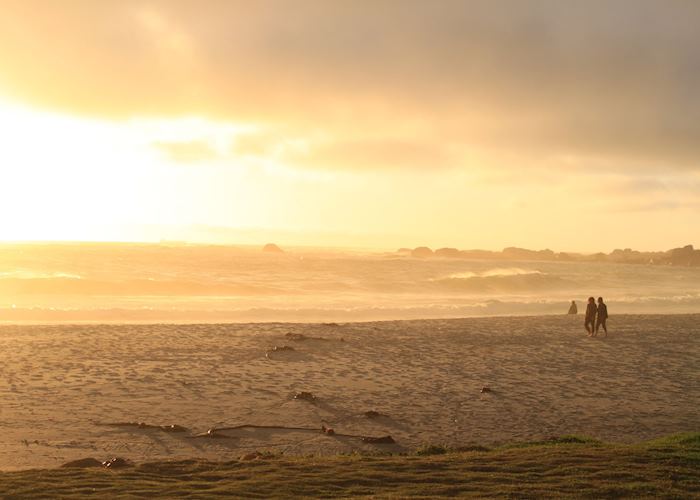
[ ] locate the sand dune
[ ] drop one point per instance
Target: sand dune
(60, 384)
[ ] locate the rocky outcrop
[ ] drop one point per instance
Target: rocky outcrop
(421, 252)
(685, 256)
(272, 248)
(682, 256)
(450, 253)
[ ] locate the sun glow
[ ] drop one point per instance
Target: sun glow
(68, 178)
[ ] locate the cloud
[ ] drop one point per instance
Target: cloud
(188, 152)
(542, 78)
(373, 154)
(658, 206)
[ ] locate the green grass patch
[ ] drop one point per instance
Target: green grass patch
(569, 466)
(431, 449)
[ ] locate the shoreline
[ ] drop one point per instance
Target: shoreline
(4, 323)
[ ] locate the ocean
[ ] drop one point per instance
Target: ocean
(188, 283)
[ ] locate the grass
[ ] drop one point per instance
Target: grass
(570, 466)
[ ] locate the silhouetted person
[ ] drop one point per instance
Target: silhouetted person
(573, 309)
(602, 316)
(591, 311)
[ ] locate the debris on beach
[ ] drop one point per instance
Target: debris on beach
(255, 455)
(485, 389)
(215, 434)
(116, 463)
(305, 396)
(144, 425)
(378, 440)
(283, 348)
(300, 337)
(373, 414)
(174, 428)
(82, 463)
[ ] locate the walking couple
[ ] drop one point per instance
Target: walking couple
(596, 317)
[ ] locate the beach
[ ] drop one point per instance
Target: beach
(73, 391)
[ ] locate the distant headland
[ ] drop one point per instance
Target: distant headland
(682, 256)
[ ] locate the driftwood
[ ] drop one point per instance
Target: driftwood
(117, 463)
(85, 463)
(323, 429)
(144, 425)
(216, 432)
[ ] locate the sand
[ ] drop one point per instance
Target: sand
(59, 384)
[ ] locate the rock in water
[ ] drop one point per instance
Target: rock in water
(421, 252)
(272, 248)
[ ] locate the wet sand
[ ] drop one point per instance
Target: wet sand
(60, 384)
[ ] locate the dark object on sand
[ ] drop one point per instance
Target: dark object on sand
(283, 348)
(300, 337)
(373, 414)
(211, 434)
(306, 396)
(144, 425)
(251, 456)
(215, 434)
(174, 428)
(378, 440)
(116, 463)
(82, 463)
(485, 390)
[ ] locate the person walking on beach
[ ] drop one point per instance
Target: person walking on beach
(573, 309)
(602, 316)
(591, 311)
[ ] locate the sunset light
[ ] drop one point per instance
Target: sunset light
(349, 248)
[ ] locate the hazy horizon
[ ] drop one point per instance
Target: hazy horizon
(251, 243)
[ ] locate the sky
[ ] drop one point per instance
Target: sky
(573, 126)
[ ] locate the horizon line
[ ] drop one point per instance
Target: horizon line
(169, 242)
